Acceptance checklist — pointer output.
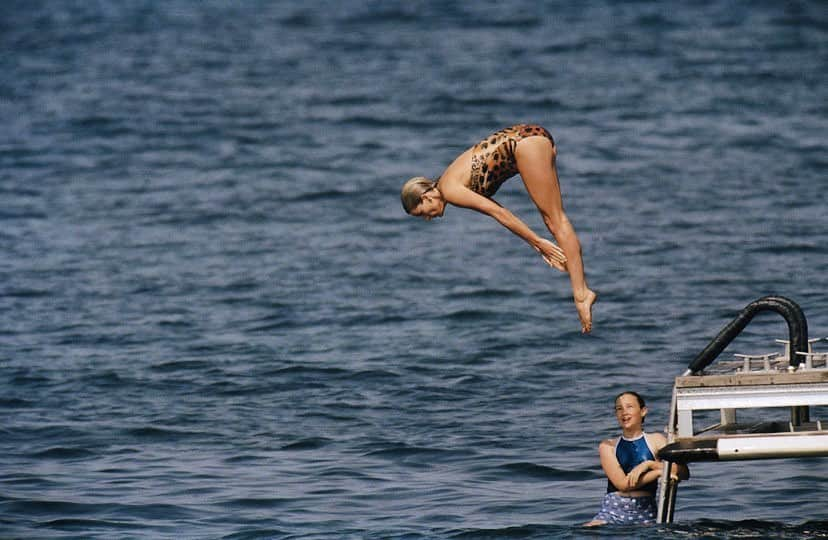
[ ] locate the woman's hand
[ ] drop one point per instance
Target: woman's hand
(552, 254)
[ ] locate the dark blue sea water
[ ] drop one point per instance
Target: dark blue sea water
(217, 322)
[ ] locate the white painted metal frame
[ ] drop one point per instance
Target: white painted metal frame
(744, 397)
(770, 446)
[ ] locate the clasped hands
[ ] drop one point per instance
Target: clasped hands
(552, 254)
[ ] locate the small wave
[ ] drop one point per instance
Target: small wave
(347, 473)
(77, 524)
(40, 507)
(256, 534)
(279, 323)
(101, 125)
(442, 101)
(311, 443)
(375, 375)
(383, 122)
(159, 434)
(559, 48)
(231, 389)
(464, 315)
(302, 19)
(789, 249)
(521, 22)
(389, 15)
(152, 511)
(519, 531)
(265, 503)
(170, 323)
(60, 452)
(340, 418)
(533, 471)
(344, 101)
(373, 319)
(15, 403)
(482, 294)
(314, 371)
(20, 191)
(656, 21)
(25, 293)
(405, 453)
(324, 195)
(181, 365)
(243, 458)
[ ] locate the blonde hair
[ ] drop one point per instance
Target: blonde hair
(412, 192)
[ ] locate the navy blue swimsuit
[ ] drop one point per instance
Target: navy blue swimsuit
(631, 452)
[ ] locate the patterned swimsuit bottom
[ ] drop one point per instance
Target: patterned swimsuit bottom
(493, 159)
(618, 510)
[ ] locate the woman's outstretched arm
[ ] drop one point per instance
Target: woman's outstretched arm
(464, 197)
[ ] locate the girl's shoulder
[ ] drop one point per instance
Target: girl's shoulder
(656, 440)
(609, 443)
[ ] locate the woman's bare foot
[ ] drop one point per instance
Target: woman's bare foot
(584, 307)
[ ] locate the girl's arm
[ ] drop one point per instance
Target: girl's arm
(465, 198)
(643, 474)
(650, 471)
(612, 468)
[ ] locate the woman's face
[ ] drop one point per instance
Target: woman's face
(431, 205)
(629, 413)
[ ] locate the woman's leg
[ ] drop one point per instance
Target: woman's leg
(536, 164)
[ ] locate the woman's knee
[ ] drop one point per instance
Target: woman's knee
(554, 220)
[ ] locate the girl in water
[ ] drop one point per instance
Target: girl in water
(473, 178)
(631, 467)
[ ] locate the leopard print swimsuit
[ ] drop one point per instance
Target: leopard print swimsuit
(493, 159)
